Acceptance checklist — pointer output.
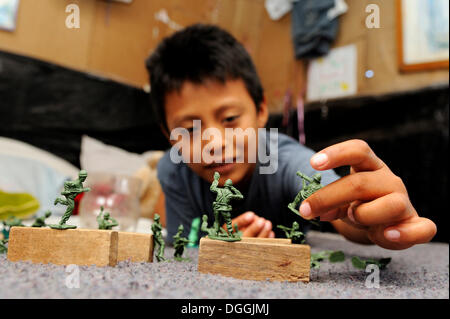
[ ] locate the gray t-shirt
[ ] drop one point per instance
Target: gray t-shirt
(188, 196)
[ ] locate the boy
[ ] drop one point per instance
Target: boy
(202, 79)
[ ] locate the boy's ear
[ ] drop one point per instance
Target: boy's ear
(263, 113)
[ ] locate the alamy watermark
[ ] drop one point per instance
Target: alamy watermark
(373, 279)
(73, 278)
(73, 19)
(373, 19)
(236, 146)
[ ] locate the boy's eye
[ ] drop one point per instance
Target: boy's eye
(230, 119)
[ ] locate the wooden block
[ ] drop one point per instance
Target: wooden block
(266, 240)
(63, 247)
(135, 246)
(255, 260)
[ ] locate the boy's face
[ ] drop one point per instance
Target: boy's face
(217, 105)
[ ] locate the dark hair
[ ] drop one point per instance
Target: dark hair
(197, 53)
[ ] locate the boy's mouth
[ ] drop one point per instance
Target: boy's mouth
(221, 168)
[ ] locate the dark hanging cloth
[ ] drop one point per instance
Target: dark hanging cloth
(312, 31)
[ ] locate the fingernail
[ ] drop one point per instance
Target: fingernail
(249, 217)
(260, 222)
(305, 209)
(393, 235)
(319, 159)
(350, 214)
(272, 235)
(268, 225)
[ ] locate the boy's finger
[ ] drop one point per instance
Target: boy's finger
(244, 220)
(255, 228)
(388, 209)
(355, 153)
(330, 215)
(417, 230)
(265, 232)
(364, 186)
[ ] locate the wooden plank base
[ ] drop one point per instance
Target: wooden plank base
(266, 240)
(63, 247)
(136, 247)
(255, 259)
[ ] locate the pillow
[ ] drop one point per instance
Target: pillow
(99, 157)
(17, 148)
(26, 175)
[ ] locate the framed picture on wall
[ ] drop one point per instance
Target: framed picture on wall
(8, 14)
(423, 34)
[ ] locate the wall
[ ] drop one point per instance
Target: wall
(377, 50)
(114, 40)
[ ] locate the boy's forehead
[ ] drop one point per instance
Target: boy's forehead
(193, 100)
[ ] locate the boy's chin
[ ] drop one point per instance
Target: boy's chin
(237, 172)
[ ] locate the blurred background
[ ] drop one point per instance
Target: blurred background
(74, 91)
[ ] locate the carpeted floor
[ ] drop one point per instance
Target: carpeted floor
(419, 272)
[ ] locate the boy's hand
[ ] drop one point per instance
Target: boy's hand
(253, 226)
(371, 198)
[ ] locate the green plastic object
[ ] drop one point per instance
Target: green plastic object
(71, 190)
(222, 208)
(306, 191)
(105, 221)
(193, 233)
(179, 243)
(211, 231)
(362, 264)
(332, 256)
(3, 248)
(21, 205)
(293, 233)
(158, 240)
(12, 221)
(336, 257)
(40, 221)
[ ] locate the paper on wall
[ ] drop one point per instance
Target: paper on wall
(334, 75)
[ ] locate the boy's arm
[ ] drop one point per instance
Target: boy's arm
(371, 200)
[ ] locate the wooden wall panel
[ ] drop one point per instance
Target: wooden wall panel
(115, 39)
(41, 32)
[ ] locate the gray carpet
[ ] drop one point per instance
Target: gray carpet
(419, 272)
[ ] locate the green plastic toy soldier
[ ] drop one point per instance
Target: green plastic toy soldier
(293, 233)
(105, 221)
(204, 228)
(3, 248)
(306, 191)
(179, 243)
(157, 238)
(12, 221)
(71, 190)
(222, 207)
(40, 221)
